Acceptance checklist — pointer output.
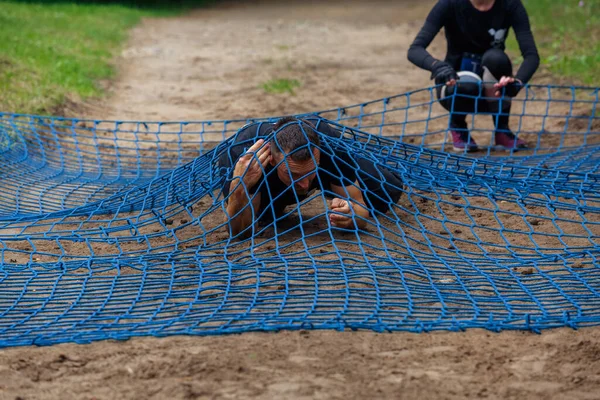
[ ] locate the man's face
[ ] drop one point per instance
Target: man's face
(299, 173)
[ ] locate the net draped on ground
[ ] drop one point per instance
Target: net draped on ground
(116, 229)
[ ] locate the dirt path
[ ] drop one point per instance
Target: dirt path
(210, 65)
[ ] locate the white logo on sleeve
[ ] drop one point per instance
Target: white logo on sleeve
(498, 35)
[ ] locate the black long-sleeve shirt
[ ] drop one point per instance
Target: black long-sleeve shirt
(469, 30)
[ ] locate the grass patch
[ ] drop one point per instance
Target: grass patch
(50, 49)
(567, 34)
(281, 86)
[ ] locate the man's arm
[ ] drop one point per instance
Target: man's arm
(239, 211)
(356, 213)
(247, 172)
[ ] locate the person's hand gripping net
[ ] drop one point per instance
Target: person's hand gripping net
(250, 166)
(338, 207)
(511, 86)
(444, 74)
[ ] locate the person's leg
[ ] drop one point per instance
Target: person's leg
(458, 110)
(497, 64)
(460, 100)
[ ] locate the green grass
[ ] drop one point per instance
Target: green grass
(281, 86)
(568, 38)
(50, 50)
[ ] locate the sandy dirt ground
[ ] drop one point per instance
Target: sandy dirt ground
(210, 64)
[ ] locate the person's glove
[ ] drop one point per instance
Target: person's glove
(443, 72)
(513, 88)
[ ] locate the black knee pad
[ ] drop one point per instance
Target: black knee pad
(467, 90)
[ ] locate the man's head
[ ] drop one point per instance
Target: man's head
(294, 150)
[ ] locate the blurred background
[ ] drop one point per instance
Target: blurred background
(59, 57)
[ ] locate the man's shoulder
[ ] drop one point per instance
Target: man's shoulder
(244, 138)
(323, 126)
(253, 130)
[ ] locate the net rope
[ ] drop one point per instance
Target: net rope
(115, 229)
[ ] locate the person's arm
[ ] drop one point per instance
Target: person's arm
(239, 212)
(522, 28)
(531, 60)
(246, 174)
(417, 53)
(354, 209)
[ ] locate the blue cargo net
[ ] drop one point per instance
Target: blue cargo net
(115, 229)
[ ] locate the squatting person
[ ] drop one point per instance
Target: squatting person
(476, 32)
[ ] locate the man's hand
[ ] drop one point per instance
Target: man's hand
(250, 166)
(443, 72)
(342, 207)
(511, 86)
(250, 163)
